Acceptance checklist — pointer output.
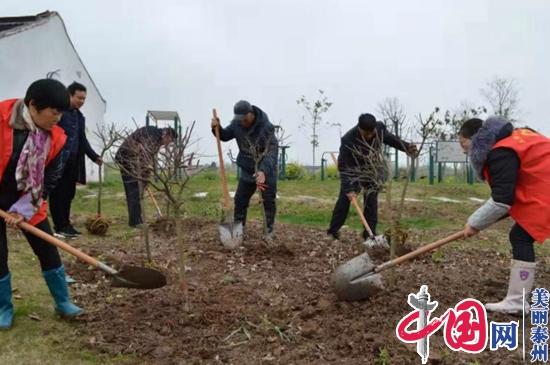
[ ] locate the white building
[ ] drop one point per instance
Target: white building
(35, 47)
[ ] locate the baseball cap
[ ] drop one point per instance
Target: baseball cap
(240, 109)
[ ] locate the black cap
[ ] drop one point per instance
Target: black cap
(240, 109)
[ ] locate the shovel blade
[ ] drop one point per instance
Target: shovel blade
(138, 278)
(356, 280)
(377, 242)
(231, 234)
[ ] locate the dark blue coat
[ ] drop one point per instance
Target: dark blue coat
(259, 137)
(69, 119)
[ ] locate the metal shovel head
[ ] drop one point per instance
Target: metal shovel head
(231, 234)
(138, 278)
(379, 241)
(356, 280)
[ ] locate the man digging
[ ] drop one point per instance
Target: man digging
(257, 158)
(365, 138)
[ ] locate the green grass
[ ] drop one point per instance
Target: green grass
(302, 202)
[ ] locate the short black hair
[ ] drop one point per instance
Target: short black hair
(367, 122)
(47, 93)
(170, 132)
(470, 127)
(76, 86)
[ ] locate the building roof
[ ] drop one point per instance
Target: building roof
(162, 115)
(14, 25)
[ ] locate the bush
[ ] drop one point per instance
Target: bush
(295, 171)
(209, 175)
(332, 172)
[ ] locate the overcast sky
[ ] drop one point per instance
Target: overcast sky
(191, 56)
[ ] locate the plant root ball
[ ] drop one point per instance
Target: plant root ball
(97, 225)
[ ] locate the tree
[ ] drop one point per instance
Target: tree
(109, 137)
(502, 95)
(315, 111)
(394, 117)
(454, 119)
(168, 171)
(265, 148)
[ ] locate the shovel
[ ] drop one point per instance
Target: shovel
(359, 278)
(127, 277)
(231, 233)
(150, 193)
(372, 241)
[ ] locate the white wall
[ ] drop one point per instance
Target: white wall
(31, 54)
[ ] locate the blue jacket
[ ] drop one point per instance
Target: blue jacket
(258, 139)
(69, 119)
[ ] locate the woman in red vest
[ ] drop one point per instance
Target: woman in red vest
(516, 164)
(30, 165)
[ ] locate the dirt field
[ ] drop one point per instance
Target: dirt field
(274, 305)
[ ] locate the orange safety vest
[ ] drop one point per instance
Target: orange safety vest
(57, 141)
(531, 207)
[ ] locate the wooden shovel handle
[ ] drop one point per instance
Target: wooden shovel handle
(222, 165)
(54, 241)
(419, 251)
(360, 214)
(152, 196)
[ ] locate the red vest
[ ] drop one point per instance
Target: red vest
(57, 141)
(531, 207)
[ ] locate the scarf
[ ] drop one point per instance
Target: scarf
(29, 173)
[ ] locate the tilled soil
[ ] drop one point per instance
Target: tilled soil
(273, 304)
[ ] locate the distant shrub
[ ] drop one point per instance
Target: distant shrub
(209, 175)
(332, 172)
(295, 171)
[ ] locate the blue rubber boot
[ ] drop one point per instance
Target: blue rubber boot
(6, 307)
(55, 278)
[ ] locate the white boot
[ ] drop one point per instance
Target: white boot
(522, 275)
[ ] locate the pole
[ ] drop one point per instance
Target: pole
(431, 173)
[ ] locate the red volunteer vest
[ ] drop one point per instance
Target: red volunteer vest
(531, 208)
(57, 141)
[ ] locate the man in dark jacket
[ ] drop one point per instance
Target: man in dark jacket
(74, 125)
(365, 138)
(257, 158)
(132, 157)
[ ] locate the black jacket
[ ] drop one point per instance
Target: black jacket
(150, 139)
(260, 137)
(84, 148)
(503, 167)
(352, 141)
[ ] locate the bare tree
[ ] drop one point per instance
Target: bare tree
(454, 119)
(265, 147)
(427, 129)
(502, 94)
(109, 136)
(370, 168)
(394, 117)
(315, 111)
(167, 170)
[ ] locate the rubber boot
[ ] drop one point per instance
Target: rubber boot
(55, 278)
(522, 276)
(6, 307)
